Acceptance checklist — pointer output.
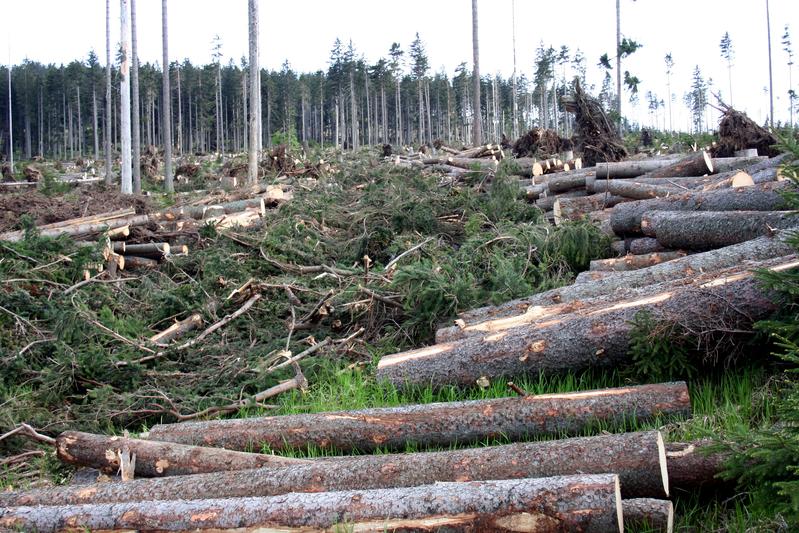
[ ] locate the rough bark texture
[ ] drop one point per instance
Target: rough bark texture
(87, 228)
(634, 262)
(589, 503)
(640, 191)
(562, 182)
(576, 208)
(704, 230)
(727, 164)
(638, 459)
(547, 203)
(626, 217)
(648, 514)
(134, 262)
(683, 183)
(576, 342)
(437, 424)
(630, 169)
(754, 250)
(593, 275)
(692, 466)
(644, 245)
(157, 459)
(696, 164)
(155, 250)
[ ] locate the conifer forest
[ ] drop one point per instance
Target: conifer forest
(492, 278)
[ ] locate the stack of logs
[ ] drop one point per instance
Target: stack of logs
(204, 475)
(113, 229)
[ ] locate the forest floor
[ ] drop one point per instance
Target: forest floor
(330, 264)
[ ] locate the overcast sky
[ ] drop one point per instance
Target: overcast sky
(303, 31)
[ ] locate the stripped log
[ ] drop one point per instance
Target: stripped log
(600, 338)
(704, 230)
(648, 514)
(153, 250)
(463, 162)
(759, 249)
(202, 212)
(91, 219)
(437, 424)
(626, 217)
(634, 262)
(178, 329)
(694, 465)
(157, 459)
(588, 503)
(81, 228)
(638, 458)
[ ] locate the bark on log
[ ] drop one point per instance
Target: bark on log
(593, 275)
(567, 181)
(601, 219)
(598, 339)
(697, 164)
(626, 217)
(153, 250)
(759, 249)
(726, 164)
(638, 458)
(533, 192)
(178, 329)
(640, 191)
(134, 262)
(157, 459)
(773, 162)
(648, 514)
(82, 228)
(693, 466)
(684, 183)
(738, 178)
(705, 230)
(436, 424)
(634, 262)
(641, 245)
(547, 203)
(630, 169)
(91, 219)
(589, 503)
(463, 162)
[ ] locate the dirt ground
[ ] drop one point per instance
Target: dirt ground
(78, 202)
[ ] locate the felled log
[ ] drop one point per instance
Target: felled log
(202, 212)
(91, 219)
(593, 275)
(575, 208)
(565, 182)
(640, 191)
(692, 465)
(648, 514)
(726, 164)
(83, 228)
(704, 230)
(634, 262)
(739, 178)
(696, 164)
(644, 245)
(589, 503)
(601, 219)
(630, 169)
(153, 250)
(760, 249)
(134, 262)
(599, 339)
(178, 329)
(528, 166)
(626, 217)
(462, 162)
(547, 203)
(638, 458)
(157, 459)
(477, 151)
(533, 192)
(436, 424)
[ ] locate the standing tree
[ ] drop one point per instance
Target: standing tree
(696, 99)
(134, 108)
(770, 76)
(396, 71)
(108, 120)
(216, 53)
(477, 129)
(419, 70)
(166, 122)
(515, 129)
(255, 93)
(669, 68)
(727, 55)
(788, 48)
(10, 123)
(124, 72)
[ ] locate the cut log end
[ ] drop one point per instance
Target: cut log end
(708, 162)
(664, 472)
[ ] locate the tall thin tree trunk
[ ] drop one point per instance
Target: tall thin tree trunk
(107, 129)
(515, 128)
(134, 108)
(398, 112)
(10, 123)
(180, 112)
(94, 122)
(477, 129)
(80, 125)
(353, 111)
(368, 110)
(166, 106)
(770, 77)
(255, 93)
(618, 60)
(124, 70)
(41, 123)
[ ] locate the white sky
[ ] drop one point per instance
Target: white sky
(303, 32)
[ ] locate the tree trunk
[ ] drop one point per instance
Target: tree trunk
(696, 164)
(576, 208)
(157, 459)
(705, 230)
(647, 514)
(730, 179)
(626, 217)
(632, 169)
(572, 343)
(134, 110)
(154, 250)
(166, 121)
(124, 74)
(588, 503)
(634, 262)
(756, 250)
(638, 458)
(692, 465)
(477, 128)
(255, 93)
(565, 182)
(94, 125)
(547, 203)
(643, 245)
(640, 191)
(437, 424)
(109, 179)
(178, 329)
(728, 164)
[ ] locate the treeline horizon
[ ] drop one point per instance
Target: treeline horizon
(58, 111)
